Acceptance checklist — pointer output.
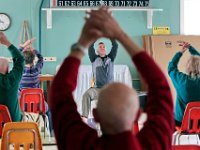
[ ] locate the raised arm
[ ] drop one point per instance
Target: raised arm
(185, 45)
(157, 131)
(70, 131)
(91, 52)
(193, 51)
(113, 52)
(14, 76)
(40, 61)
(175, 75)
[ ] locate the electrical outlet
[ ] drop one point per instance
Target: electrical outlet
(50, 59)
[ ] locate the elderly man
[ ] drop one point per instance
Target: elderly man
(118, 104)
(9, 81)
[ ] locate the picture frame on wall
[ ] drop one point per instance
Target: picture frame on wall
(97, 3)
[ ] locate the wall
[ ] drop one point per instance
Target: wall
(67, 26)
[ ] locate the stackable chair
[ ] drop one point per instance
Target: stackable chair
(21, 134)
(190, 124)
(4, 117)
(32, 100)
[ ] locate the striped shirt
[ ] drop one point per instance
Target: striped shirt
(30, 77)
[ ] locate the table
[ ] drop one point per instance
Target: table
(46, 78)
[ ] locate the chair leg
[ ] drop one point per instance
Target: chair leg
(26, 146)
(179, 136)
(174, 139)
(136, 128)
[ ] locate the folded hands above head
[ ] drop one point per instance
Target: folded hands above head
(99, 23)
(184, 45)
(28, 45)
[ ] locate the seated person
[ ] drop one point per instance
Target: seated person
(187, 85)
(118, 104)
(30, 78)
(9, 81)
(102, 68)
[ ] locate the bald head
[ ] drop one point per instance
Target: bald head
(117, 108)
(4, 66)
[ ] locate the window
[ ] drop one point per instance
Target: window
(190, 17)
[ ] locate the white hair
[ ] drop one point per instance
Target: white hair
(193, 66)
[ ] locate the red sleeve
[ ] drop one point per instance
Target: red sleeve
(158, 129)
(69, 129)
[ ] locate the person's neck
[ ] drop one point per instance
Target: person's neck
(29, 65)
(112, 130)
(102, 55)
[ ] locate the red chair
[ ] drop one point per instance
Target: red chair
(191, 120)
(32, 100)
(4, 117)
(186, 147)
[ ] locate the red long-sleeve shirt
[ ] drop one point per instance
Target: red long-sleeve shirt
(72, 134)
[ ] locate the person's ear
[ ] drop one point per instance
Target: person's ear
(95, 114)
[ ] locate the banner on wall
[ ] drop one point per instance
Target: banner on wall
(97, 3)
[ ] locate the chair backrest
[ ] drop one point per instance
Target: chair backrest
(4, 117)
(191, 118)
(32, 100)
(186, 147)
(21, 134)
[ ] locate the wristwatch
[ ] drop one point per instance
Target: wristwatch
(79, 47)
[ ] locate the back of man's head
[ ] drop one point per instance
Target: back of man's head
(29, 57)
(117, 108)
(4, 65)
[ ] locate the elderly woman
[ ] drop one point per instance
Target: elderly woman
(9, 81)
(187, 85)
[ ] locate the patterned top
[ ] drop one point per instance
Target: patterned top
(103, 67)
(30, 75)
